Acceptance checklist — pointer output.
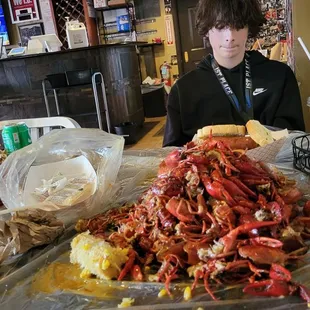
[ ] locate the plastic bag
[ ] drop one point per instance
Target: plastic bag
(103, 151)
(17, 292)
(137, 172)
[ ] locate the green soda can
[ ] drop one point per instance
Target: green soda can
(10, 137)
(24, 135)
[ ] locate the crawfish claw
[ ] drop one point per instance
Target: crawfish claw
(274, 288)
(304, 293)
(280, 273)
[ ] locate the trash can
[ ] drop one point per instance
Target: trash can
(153, 97)
(128, 130)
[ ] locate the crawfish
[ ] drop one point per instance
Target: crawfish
(191, 248)
(168, 186)
(229, 241)
(212, 267)
(181, 209)
(166, 218)
(246, 166)
(264, 255)
(306, 209)
(223, 213)
(223, 161)
(302, 224)
(243, 187)
(279, 284)
(172, 159)
(290, 195)
(266, 241)
(216, 190)
(195, 233)
(168, 270)
(229, 186)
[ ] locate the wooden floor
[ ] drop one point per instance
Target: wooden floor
(151, 140)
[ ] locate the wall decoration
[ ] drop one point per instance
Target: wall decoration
(169, 30)
(100, 4)
(168, 7)
(28, 31)
(48, 18)
(23, 10)
(290, 37)
(174, 60)
(275, 28)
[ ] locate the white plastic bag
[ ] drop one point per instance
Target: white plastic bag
(103, 150)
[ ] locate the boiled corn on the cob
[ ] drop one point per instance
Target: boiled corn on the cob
(97, 257)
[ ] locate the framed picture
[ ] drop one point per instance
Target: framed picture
(28, 31)
(23, 10)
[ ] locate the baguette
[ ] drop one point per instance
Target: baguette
(259, 133)
(221, 130)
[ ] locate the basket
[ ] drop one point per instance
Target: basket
(301, 151)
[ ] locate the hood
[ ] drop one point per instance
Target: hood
(256, 58)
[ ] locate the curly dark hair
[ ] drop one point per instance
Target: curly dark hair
(236, 14)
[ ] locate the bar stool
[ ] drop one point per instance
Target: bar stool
(61, 80)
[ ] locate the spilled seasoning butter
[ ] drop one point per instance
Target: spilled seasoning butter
(67, 277)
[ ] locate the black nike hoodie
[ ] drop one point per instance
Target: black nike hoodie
(198, 99)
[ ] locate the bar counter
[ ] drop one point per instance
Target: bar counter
(21, 94)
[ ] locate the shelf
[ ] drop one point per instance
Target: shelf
(150, 44)
(117, 33)
(113, 35)
(115, 7)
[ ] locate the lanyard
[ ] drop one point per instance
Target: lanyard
(248, 114)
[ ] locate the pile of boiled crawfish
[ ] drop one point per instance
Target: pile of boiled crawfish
(217, 216)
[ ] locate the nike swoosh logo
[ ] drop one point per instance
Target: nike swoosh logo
(259, 91)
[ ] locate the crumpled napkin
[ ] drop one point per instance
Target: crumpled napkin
(26, 230)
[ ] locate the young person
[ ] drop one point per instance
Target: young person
(231, 86)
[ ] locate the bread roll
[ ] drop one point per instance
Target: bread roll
(221, 130)
(259, 133)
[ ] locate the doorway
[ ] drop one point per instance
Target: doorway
(191, 47)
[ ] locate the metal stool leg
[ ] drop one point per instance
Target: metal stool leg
(45, 99)
(56, 102)
(105, 101)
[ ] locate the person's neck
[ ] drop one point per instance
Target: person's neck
(229, 63)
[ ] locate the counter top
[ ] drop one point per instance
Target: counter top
(142, 44)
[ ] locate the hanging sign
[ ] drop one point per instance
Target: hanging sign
(169, 30)
(23, 10)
